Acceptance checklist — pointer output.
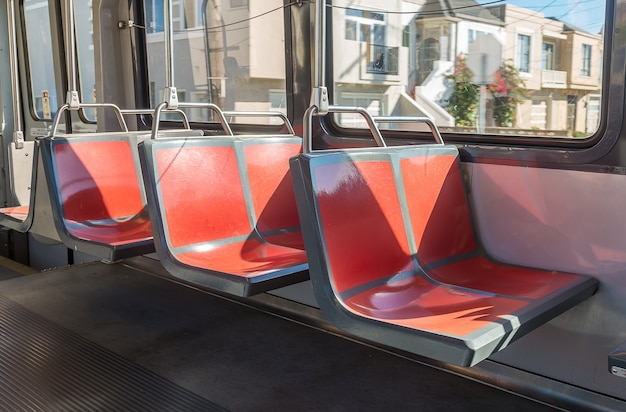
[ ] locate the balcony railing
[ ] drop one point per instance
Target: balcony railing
(553, 79)
(382, 59)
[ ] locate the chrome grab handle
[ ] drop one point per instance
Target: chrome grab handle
(151, 112)
(307, 138)
(280, 115)
(413, 119)
(77, 106)
(212, 107)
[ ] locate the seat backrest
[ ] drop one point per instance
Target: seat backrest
(271, 189)
(224, 188)
(378, 215)
(437, 204)
(97, 176)
(364, 238)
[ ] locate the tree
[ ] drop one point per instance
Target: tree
(463, 102)
(508, 91)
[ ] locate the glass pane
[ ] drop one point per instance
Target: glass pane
(232, 54)
(39, 50)
(419, 59)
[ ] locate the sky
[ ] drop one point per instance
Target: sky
(585, 14)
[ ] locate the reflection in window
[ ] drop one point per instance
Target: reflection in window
(154, 15)
(217, 56)
(535, 63)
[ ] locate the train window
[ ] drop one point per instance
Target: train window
(43, 92)
(505, 67)
(218, 57)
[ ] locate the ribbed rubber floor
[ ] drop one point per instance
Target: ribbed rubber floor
(44, 367)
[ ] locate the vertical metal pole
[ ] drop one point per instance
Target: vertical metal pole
(170, 96)
(482, 108)
(319, 98)
(169, 43)
(18, 134)
(320, 44)
(72, 94)
(207, 48)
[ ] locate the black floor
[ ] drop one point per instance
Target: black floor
(234, 356)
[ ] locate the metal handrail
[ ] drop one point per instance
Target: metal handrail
(68, 106)
(156, 118)
(151, 112)
(307, 138)
(412, 119)
(280, 115)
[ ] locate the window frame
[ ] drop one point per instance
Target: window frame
(32, 98)
(548, 58)
(523, 59)
(596, 142)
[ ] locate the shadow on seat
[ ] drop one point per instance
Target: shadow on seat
(96, 194)
(394, 259)
(223, 211)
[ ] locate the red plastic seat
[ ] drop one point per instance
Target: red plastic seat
(17, 214)
(223, 211)
(394, 258)
(96, 194)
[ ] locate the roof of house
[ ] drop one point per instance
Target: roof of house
(465, 9)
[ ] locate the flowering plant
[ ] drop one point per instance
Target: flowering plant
(507, 90)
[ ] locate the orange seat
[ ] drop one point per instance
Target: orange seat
(16, 217)
(96, 194)
(223, 211)
(394, 257)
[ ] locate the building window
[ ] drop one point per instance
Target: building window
(365, 26)
(523, 53)
(238, 3)
(474, 34)
(586, 67)
(547, 56)
(155, 15)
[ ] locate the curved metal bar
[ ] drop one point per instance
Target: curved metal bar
(67, 106)
(156, 118)
(116, 109)
(413, 119)
(151, 112)
(378, 138)
(307, 129)
(280, 115)
(307, 144)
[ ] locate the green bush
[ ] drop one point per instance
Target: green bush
(464, 100)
